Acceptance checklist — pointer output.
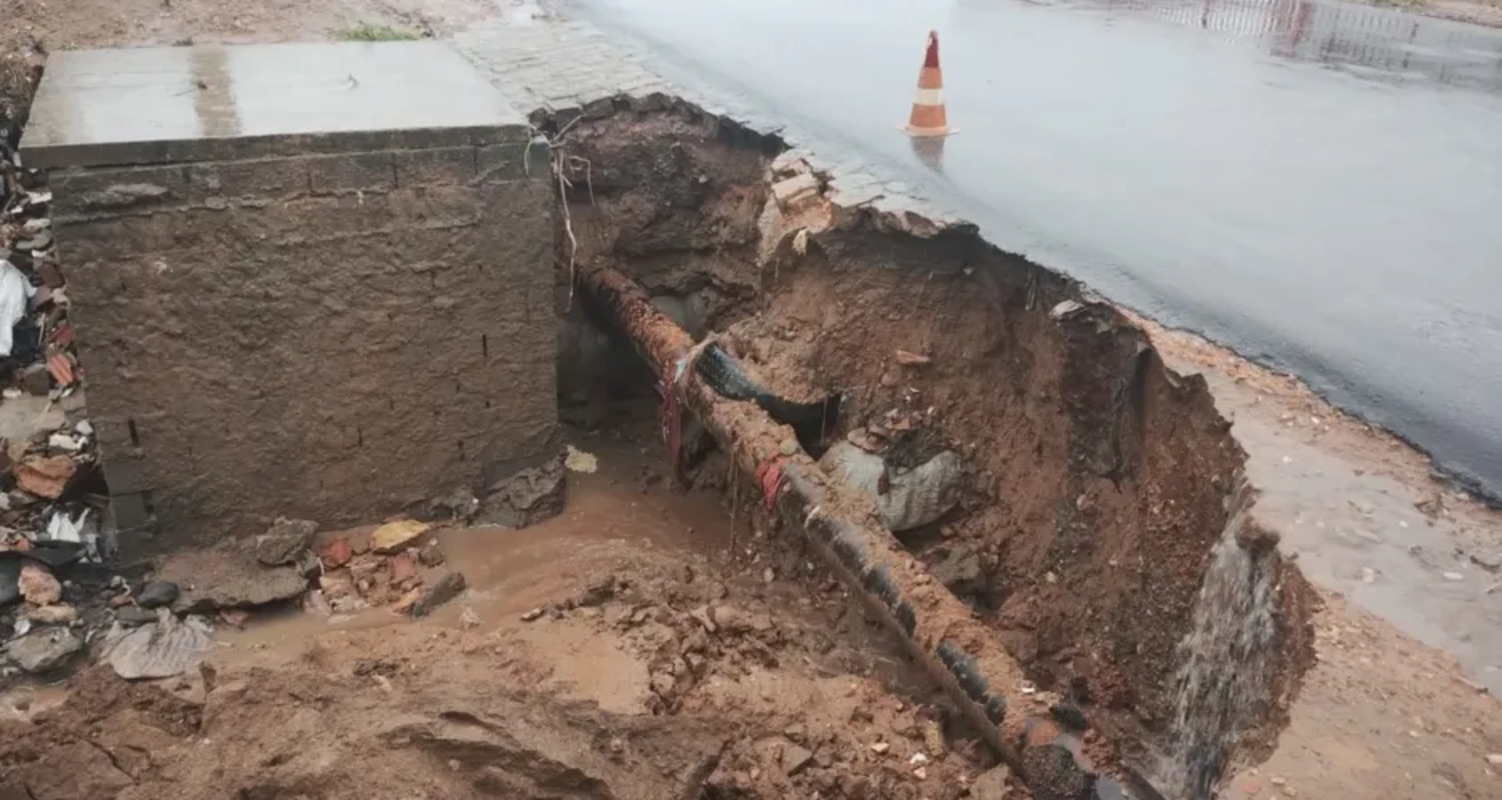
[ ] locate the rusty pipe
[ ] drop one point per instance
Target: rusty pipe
(958, 651)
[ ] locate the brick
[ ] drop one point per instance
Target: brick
(352, 172)
(447, 166)
(80, 191)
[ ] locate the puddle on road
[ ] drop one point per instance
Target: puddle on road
(1360, 534)
(1373, 43)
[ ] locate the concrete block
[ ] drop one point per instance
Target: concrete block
(352, 172)
(446, 166)
(268, 178)
(506, 162)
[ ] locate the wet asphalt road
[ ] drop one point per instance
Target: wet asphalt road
(1317, 185)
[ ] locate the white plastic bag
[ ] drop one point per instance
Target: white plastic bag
(15, 296)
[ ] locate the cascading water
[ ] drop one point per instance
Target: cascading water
(1224, 683)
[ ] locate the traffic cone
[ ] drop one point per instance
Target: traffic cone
(928, 117)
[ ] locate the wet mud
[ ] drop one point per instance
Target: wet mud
(1096, 482)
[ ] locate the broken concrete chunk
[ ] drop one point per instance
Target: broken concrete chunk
(441, 591)
(396, 536)
(284, 541)
(38, 586)
(165, 649)
(526, 498)
(45, 476)
(157, 594)
(792, 193)
(43, 650)
(1065, 309)
(210, 580)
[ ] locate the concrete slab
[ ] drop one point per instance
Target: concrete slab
(211, 102)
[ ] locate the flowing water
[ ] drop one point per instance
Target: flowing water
(1223, 687)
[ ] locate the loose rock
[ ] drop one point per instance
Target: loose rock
(38, 586)
(135, 616)
(431, 555)
(394, 537)
(448, 587)
(795, 758)
(45, 477)
(526, 498)
(991, 785)
(53, 615)
(284, 541)
(43, 650)
(157, 594)
(403, 567)
(336, 553)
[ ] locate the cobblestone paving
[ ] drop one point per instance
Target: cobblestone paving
(555, 68)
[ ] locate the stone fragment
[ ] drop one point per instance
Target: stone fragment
(157, 594)
(336, 553)
(336, 585)
(792, 193)
(284, 541)
(992, 785)
(134, 616)
(36, 380)
(526, 498)
(38, 586)
(53, 615)
(431, 555)
(795, 758)
(210, 580)
(43, 650)
(396, 536)
(441, 591)
(45, 476)
(403, 567)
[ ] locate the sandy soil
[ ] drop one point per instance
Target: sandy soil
(449, 707)
(653, 672)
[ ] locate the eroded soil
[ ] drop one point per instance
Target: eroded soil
(655, 670)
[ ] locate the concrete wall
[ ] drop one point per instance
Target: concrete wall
(328, 336)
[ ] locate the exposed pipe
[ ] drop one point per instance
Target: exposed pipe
(1046, 747)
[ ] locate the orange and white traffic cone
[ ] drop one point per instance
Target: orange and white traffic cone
(929, 118)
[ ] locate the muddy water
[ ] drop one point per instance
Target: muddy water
(1313, 183)
(620, 509)
(1223, 686)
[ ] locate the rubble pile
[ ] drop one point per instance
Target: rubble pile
(35, 337)
(398, 565)
(695, 633)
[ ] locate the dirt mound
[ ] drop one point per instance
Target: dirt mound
(1095, 481)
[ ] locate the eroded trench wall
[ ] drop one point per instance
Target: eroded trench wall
(330, 337)
(1096, 480)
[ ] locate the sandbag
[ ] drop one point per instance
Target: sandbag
(914, 497)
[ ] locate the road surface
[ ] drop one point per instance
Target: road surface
(1316, 185)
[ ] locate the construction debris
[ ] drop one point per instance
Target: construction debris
(165, 649)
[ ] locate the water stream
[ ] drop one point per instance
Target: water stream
(1224, 684)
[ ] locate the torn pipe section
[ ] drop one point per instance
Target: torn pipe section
(957, 650)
